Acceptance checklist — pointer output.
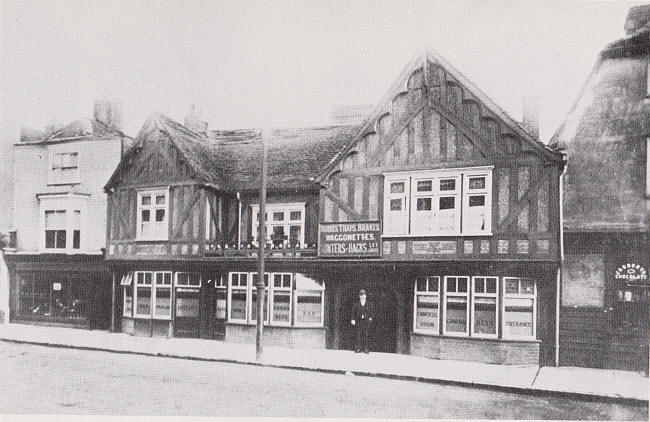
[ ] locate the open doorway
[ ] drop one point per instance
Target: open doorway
(383, 331)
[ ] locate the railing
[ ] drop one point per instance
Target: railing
(250, 250)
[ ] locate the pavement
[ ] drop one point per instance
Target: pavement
(527, 379)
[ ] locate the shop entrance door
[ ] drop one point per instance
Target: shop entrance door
(383, 331)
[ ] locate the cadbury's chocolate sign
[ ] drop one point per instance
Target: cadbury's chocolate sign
(353, 239)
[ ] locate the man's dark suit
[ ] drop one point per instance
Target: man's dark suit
(362, 315)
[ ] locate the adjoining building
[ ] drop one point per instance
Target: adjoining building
(57, 274)
(604, 314)
(439, 204)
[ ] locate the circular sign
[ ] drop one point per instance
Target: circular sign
(631, 272)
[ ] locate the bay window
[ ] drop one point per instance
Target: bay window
(519, 308)
(427, 305)
(285, 223)
(290, 299)
(163, 295)
(152, 294)
(152, 214)
(127, 285)
(484, 309)
(143, 287)
(438, 202)
(456, 306)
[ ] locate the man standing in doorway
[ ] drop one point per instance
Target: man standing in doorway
(361, 319)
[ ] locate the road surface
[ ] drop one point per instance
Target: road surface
(44, 380)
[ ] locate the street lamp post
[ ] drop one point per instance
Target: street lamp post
(259, 343)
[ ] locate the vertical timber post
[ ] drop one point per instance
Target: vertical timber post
(261, 239)
(113, 303)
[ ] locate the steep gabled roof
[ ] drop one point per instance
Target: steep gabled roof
(231, 160)
(422, 61)
(604, 135)
(192, 147)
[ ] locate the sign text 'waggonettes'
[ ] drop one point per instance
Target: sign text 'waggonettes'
(358, 239)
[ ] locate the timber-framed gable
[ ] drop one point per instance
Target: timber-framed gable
(434, 119)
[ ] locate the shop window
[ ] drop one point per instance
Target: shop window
(221, 287)
(163, 295)
(238, 297)
(292, 301)
(143, 287)
(435, 202)
(485, 305)
(426, 307)
(309, 301)
(43, 298)
(127, 286)
(64, 168)
(188, 295)
(281, 299)
(152, 214)
(519, 308)
(286, 225)
(55, 229)
(253, 301)
(456, 321)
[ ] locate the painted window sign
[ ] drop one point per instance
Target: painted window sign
(358, 239)
(309, 308)
(187, 307)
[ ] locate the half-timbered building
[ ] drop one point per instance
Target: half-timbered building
(439, 204)
(462, 207)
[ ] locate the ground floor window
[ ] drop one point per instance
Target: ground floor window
(152, 294)
(289, 300)
(52, 298)
(475, 306)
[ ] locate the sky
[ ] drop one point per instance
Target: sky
(284, 63)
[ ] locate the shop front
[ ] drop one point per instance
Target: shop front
(59, 290)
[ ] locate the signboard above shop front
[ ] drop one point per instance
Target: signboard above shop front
(358, 239)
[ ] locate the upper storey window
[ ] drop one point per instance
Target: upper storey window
(285, 223)
(153, 209)
(438, 202)
(64, 168)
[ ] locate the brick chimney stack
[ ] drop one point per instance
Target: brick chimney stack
(109, 113)
(530, 114)
(194, 122)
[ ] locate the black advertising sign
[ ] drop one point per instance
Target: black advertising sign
(359, 239)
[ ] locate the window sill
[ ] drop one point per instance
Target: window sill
(503, 340)
(146, 239)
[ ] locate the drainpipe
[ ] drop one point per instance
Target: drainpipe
(238, 221)
(558, 282)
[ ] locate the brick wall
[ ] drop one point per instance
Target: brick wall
(293, 337)
(476, 350)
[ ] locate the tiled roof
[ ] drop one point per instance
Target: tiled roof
(82, 128)
(231, 160)
(295, 156)
(604, 135)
